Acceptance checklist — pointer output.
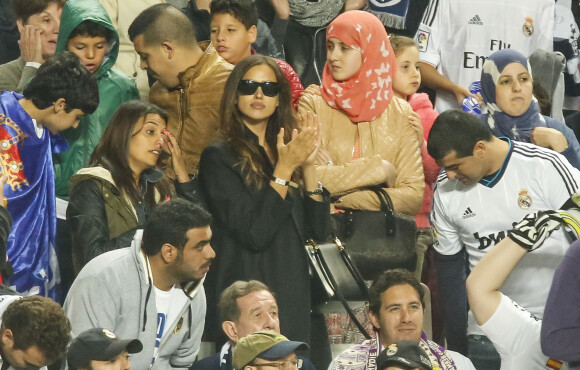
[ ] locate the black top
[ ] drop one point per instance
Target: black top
(258, 235)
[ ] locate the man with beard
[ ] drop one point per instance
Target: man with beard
(152, 291)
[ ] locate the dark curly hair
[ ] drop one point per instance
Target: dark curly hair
(170, 222)
(38, 321)
(63, 76)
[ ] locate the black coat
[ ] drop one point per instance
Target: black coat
(258, 235)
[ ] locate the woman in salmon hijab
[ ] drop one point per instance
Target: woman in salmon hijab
(366, 137)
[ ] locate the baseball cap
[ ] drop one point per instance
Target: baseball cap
(266, 344)
(98, 344)
(405, 353)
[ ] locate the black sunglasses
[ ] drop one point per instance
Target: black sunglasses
(249, 87)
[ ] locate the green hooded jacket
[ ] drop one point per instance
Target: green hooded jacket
(115, 88)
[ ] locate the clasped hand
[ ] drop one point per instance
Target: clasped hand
(303, 148)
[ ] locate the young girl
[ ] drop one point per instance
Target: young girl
(405, 85)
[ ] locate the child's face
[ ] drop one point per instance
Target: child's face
(230, 37)
(408, 78)
(90, 50)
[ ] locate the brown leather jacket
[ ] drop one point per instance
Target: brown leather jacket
(389, 137)
(194, 108)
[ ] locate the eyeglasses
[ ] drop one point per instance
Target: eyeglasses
(288, 364)
(249, 87)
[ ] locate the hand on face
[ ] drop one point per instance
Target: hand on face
(40, 28)
(172, 147)
(31, 44)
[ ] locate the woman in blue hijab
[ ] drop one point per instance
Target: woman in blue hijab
(513, 111)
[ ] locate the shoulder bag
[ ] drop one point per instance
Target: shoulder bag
(378, 240)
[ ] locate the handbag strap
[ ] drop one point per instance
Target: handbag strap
(384, 198)
(336, 288)
(352, 268)
(386, 206)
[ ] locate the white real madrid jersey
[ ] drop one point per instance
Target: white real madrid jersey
(456, 36)
(479, 216)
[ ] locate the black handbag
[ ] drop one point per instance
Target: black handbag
(378, 240)
(336, 277)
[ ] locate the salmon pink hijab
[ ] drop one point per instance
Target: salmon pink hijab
(367, 94)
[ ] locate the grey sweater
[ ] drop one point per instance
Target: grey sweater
(114, 291)
(14, 75)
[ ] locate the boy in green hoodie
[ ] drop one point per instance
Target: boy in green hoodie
(87, 31)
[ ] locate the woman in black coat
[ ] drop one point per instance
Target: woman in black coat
(259, 183)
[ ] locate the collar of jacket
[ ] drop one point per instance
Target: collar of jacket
(206, 61)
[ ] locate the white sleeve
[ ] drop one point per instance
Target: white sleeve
(546, 37)
(447, 239)
(561, 179)
(512, 329)
(429, 33)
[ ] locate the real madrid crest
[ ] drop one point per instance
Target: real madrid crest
(528, 27)
(524, 200)
(392, 349)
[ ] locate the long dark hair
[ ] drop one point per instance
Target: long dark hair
(233, 129)
(112, 152)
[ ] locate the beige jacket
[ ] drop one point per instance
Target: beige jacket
(122, 14)
(194, 109)
(389, 137)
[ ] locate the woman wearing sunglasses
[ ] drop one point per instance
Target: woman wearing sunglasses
(259, 183)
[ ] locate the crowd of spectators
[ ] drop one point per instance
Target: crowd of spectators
(163, 163)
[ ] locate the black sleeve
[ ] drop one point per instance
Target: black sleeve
(5, 226)
(189, 190)
(87, 219)
(253, 217)
(451, 276)
(318, 217)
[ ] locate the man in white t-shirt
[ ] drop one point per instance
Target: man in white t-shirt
(455, 37)
(513, 330)
(153, 290)
(489, 184)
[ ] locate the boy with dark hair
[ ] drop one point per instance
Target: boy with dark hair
(234, 30)
(61, 92)
(87, 31)
(38, 22)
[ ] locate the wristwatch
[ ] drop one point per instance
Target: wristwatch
(318, 191)
(283, 182)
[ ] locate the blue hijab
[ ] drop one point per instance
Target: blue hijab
(502, 124)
